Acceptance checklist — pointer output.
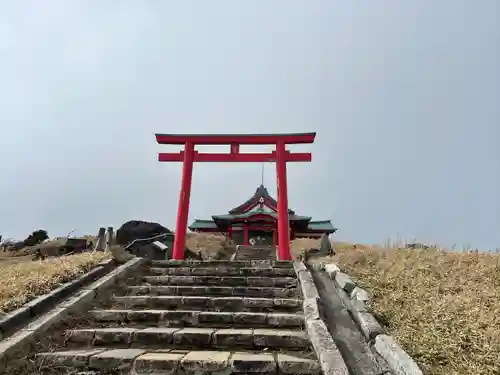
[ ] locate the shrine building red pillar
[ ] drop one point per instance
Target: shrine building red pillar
(183, 209)
(245, 234)
(283, 218)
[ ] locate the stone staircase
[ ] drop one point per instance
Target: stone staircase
(195, 317)
(248, 252)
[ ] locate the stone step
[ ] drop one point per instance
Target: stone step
(265, 255)
(139, 361)
(222, 263)
(209, 303)
(222, 271)
(243, 257)
(178, 338)
(251, 257)
(195, 318)
(256, 250)
(222, 281)
(237, 291)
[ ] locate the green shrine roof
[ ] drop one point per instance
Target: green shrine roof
(203, 224)
(325, 225)
(274, 215)
(261, 203)
(261, 195)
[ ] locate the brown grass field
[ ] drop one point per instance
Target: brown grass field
(24, 279)
(442, 307)
(208, 244)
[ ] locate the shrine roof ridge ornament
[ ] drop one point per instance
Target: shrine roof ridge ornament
(242, 139)
(260, 196)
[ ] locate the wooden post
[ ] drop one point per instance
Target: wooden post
(283, 219)
(101, 240)
(183, 210)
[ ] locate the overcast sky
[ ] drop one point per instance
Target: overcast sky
(404, 97)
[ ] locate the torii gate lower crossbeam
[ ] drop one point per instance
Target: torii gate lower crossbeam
(189, 156)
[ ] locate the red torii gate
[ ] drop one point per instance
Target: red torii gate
(189, 156)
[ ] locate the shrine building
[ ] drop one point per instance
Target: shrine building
(255, 222)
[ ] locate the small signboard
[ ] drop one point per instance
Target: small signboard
(160, 245)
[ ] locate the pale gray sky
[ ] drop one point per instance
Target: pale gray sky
(404, 97)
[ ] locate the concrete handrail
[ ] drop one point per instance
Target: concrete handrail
(149, 239)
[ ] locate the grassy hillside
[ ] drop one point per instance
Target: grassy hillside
(23, 281)
(442, 307)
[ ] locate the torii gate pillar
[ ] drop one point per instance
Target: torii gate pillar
(189, 156)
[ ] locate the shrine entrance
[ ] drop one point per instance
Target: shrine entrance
(280, 156)
(261, 238)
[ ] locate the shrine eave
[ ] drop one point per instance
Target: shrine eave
(248, 215)
(323, 226)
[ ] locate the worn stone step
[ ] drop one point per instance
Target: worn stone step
(222, 271)
(222, 281)
(195, 318)
(222, 263)
(189, 290)
(237, 258)
(209, 302)
(167, 337)
(139, 361)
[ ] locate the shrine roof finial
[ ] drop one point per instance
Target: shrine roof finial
(261, 195)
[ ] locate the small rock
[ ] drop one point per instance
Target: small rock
(369, 326)
(360, 294)
(345, 282)
(397, 359)
(331, 269)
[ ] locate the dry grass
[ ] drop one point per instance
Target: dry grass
(210, 245)
(22, 282)
(48, 248)
(442, 307)
(300, 245)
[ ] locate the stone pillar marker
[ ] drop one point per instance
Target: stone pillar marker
(101, 241)
(109, 239)
(325, 246)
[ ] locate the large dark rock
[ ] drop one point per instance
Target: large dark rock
(137, 229)
(138, 237)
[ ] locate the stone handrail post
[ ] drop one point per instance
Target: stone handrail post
(101, 240)
(109, 239)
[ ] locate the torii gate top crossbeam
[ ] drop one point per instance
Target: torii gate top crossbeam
(241, 139)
